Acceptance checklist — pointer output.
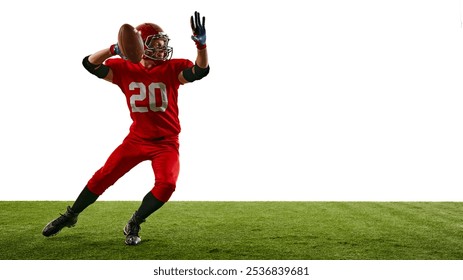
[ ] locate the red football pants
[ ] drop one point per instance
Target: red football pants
(164, 157)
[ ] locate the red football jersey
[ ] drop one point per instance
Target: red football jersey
(151, 95)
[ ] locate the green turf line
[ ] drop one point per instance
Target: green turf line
(239, 231)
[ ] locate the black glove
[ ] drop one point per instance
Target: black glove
(199, 30)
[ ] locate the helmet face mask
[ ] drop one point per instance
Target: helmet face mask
(156, 42)
(156, 50)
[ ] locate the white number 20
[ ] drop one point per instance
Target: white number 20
(151, 97)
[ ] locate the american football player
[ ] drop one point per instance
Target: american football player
(151, 91)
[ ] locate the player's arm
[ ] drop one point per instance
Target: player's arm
(94, 63)
(201, 67)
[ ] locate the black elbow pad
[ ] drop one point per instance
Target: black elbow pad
(100, 71)
(197, 75)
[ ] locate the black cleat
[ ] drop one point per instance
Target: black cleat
(131, 230)
(68, 219)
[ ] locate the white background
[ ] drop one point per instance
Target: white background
(318, 270)
(306, 100)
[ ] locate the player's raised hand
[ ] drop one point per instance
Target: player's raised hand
(199, 30)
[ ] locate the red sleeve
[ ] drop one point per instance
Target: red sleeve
(184, 64)
(116, 64)
(180, 65)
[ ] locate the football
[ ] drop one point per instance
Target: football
(130, 43)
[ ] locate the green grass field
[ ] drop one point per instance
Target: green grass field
(239, 231)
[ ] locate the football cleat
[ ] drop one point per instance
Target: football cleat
(68, 219)
(131, 230)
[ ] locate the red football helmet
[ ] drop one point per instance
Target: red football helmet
(150, 32)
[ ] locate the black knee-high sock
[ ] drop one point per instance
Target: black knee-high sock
(149, 205)
(85, 198)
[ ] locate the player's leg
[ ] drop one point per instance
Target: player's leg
(124, 158)
(85, 199)
(166, 167)
(121, 161)
(69, 218)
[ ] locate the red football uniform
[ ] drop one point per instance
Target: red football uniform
(151, 96)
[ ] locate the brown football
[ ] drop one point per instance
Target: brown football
(130, 43)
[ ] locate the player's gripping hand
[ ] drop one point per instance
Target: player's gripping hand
(115, 50)
(199, 30)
